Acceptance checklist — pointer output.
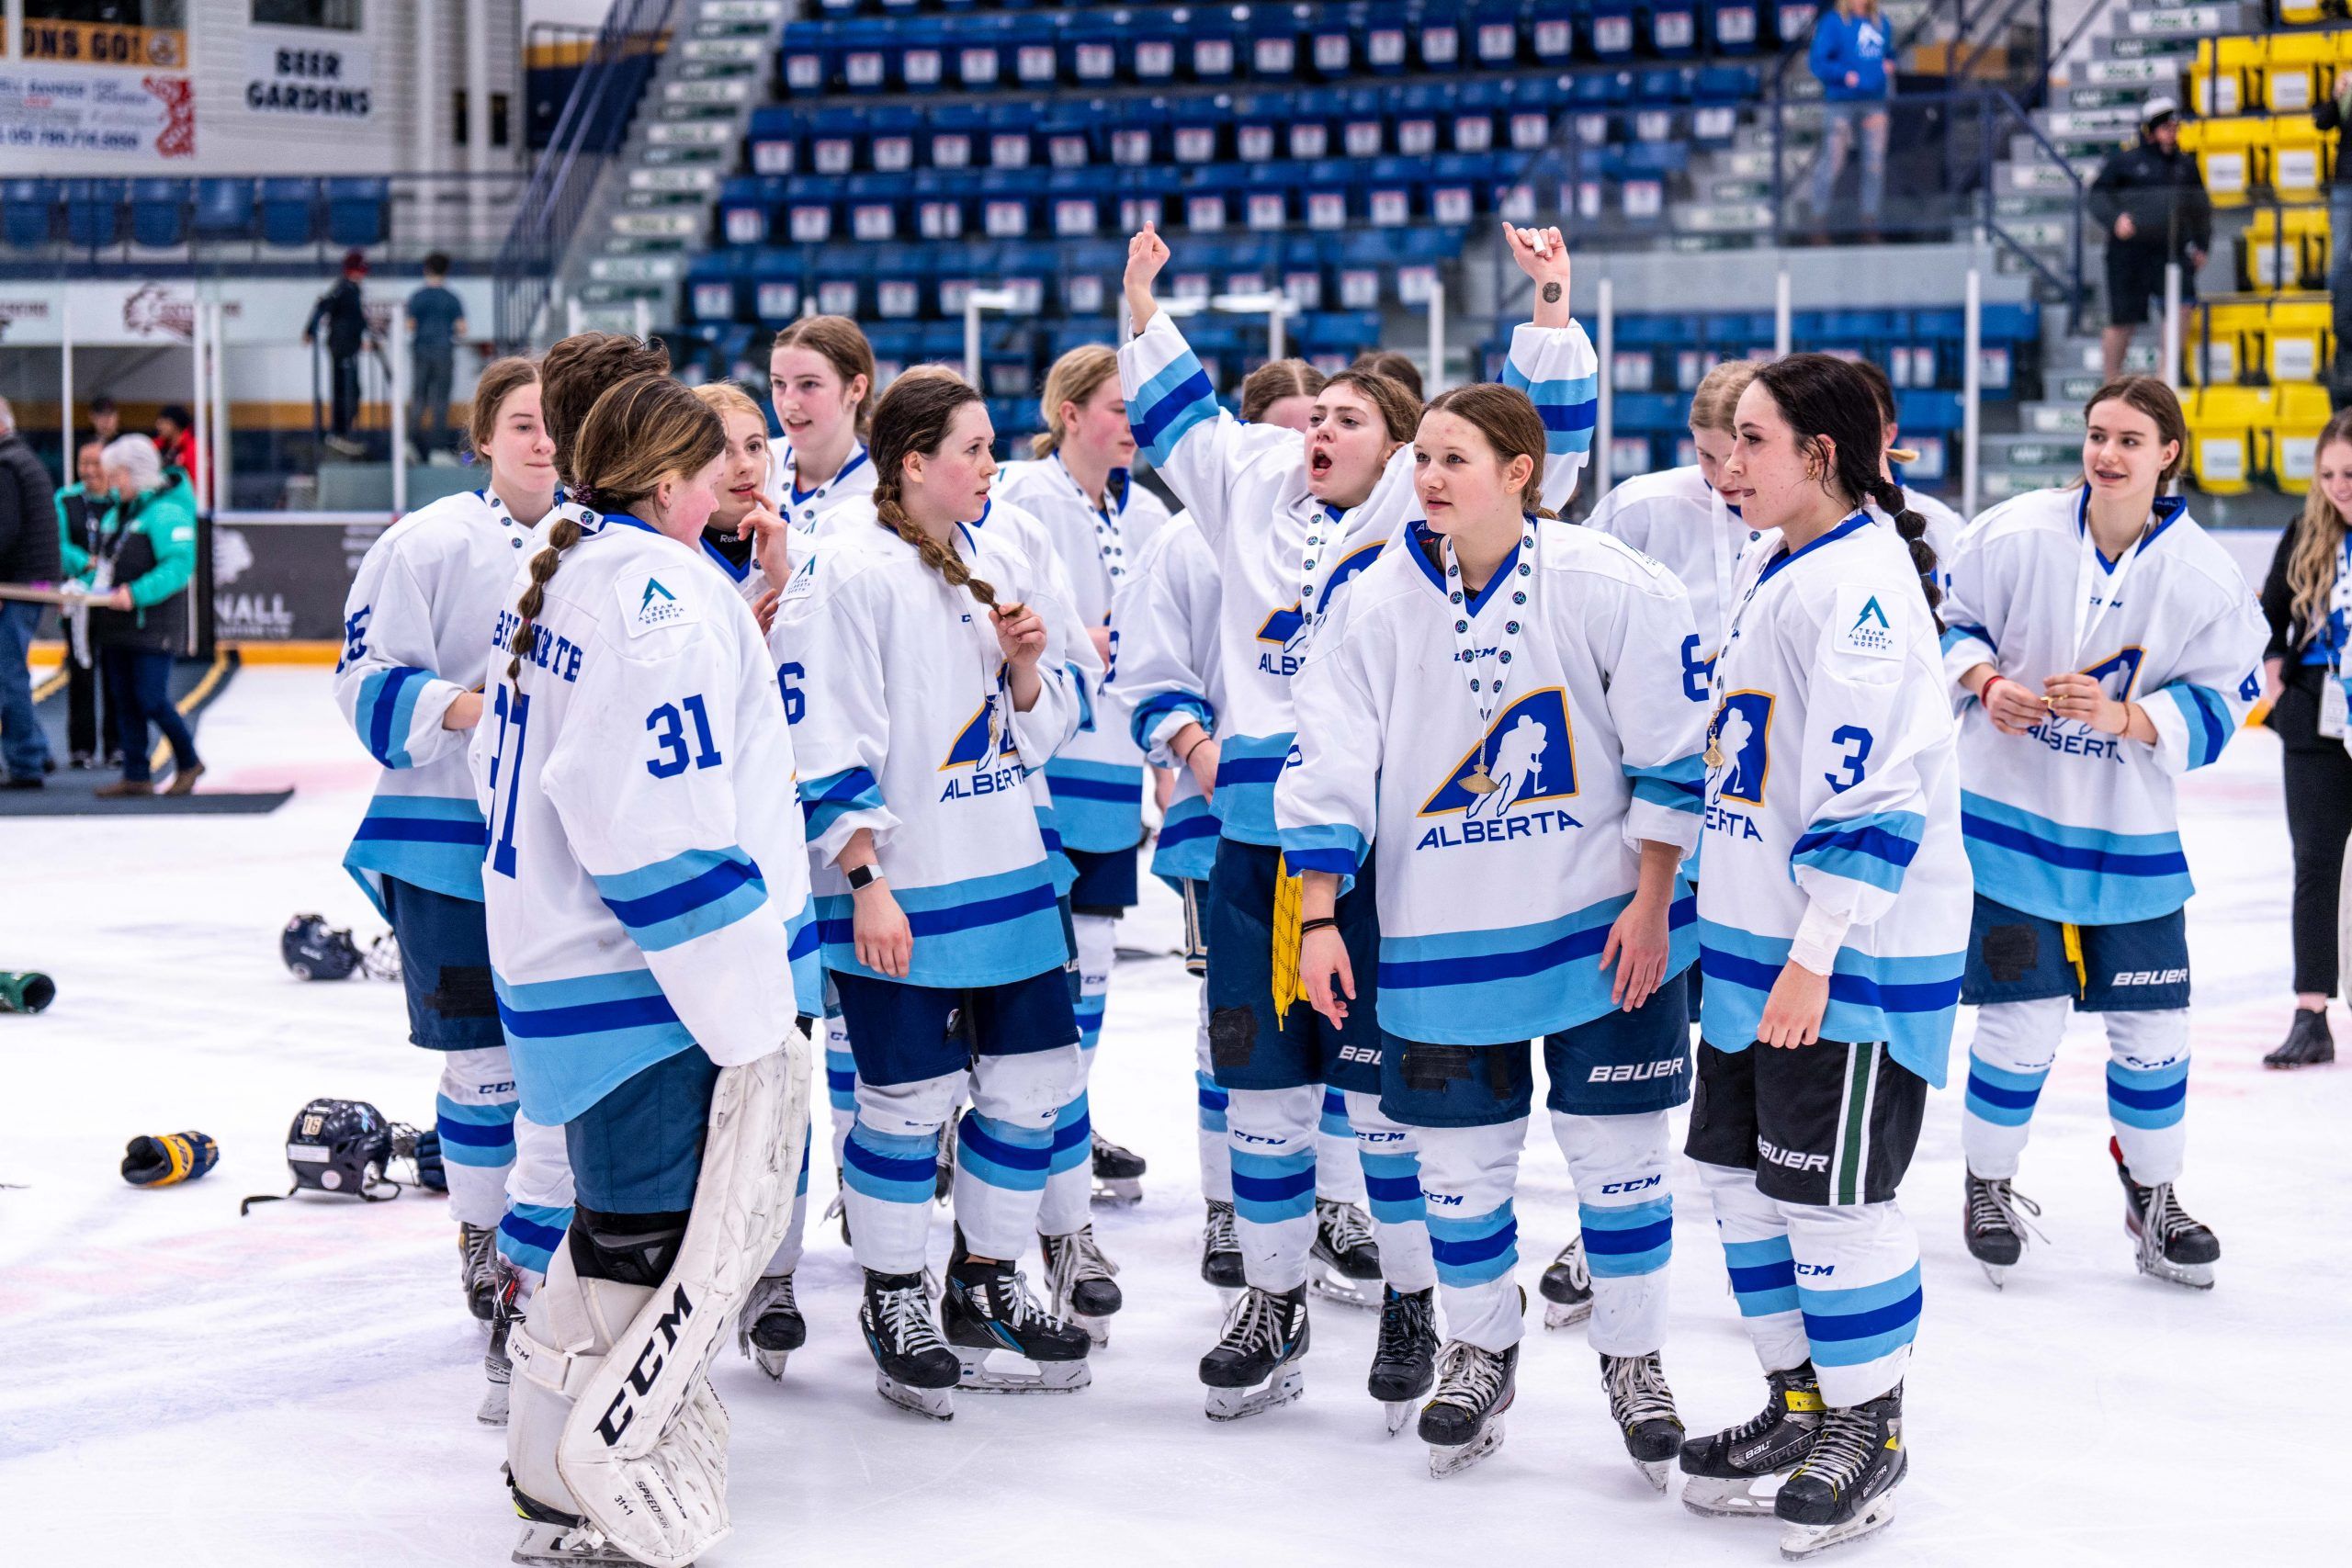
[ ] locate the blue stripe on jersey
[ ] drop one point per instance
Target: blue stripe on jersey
(1158, 708)
(1187, 847)
(2084, 875)
(824, 801)
(1473, 1249)
(1170, 404)
(1678, 786)
(1097, 806)
(386, 708)
(1907, 1002)
(1569, 407)
(1246, 767)
(1763, 1276)
(574, 1041)
(1513, 982)
(1849, 1327)
(807, 955)
(1058, 864)
(1332, 846)
(982, 930)
(1956, 634)
(1875, 848)
(1392, 1186)
(1621, 1243)
(2205, 712)
(426, 840)
(692, 894)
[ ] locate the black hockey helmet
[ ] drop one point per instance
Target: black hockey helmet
(317, 951)
(341, 1145)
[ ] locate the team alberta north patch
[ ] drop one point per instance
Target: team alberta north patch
(1867, 622)
(649, 604)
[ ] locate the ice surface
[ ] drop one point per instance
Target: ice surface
(298, 1387)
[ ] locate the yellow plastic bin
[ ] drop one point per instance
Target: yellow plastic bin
(2231, 338)
(2301, 414)
(2224, 72)
(2227, 155)
(2221, 425)
(2284, 248)
(2298, 71)
(2297, 162)
(2296, 13)
(2299, 340)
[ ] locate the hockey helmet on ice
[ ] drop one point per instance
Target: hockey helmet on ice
(317, 951)
(341, 1145)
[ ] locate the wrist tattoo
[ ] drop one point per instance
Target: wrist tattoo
(1551, 294)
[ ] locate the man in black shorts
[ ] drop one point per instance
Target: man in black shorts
(2149, 201)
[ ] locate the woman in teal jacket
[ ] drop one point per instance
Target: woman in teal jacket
(1848, 55)
(145, 553)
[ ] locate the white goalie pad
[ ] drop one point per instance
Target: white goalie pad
(644, 1452)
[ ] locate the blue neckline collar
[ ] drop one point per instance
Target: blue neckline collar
(1425, 545)
(2168, 509)
(799, 495)
(719, 557)
(625, 519)
(1859, 520)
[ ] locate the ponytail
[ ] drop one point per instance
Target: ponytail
(914, 416)
(1913, 527)
(561, 538)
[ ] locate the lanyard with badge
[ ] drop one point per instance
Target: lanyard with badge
(2333, 707)
(1323, 529)
(1728, 524)
(1489, 668)
(996, 706)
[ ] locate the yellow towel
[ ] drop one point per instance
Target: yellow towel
(1290, 897)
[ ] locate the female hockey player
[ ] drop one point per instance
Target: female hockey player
(1833, 907)
(821, 383)
(580, 368)
(1497, 718)
(932, 678)
(1291, 520)
(648, 895)
(2088, 702)
(1280, 391)
(415, 655)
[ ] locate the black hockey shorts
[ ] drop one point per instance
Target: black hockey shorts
(1826, 1124)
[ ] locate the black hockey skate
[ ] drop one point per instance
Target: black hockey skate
(1403, 1364)
(1254, 1366)
(987, 1311)
(1221, 1249)
(550, 1536)
(1344, 1266)
(1993, 1224)
(1730, 1471)
(942, 1175)
(1118, 1173)
(1462, 1422)
(2309, 1044)
(1566, 1288)
(1844, 1488)
(1078, 1281)
(771, 1326)
(2172, 1246)
(497, 1365)
(914, 1369)
(478, 1260)
(1643, 1408)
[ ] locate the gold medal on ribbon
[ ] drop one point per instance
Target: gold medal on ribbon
(1714, 753)
(1479, 781)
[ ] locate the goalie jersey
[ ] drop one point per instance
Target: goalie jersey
(1831, 782)
(1168, 677)
(1507, 848)
(647, 880)
(905, 724)
(2068, 822)
(1245, 486)
(417, 636)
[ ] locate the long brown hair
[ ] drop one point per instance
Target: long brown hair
(838, 341)
(1398, 367)
(2319, 535)
(914, 416)
(1400, 409)
(1507, 418)
(576, 372)
(1274, 380)
(639, 432)
(499, 380)
(1822, 396)
(2153, 398)
(1715, 404)
(1075, 377)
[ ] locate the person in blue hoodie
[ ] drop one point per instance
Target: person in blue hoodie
(1848, 55)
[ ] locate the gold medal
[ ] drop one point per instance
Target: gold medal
(1714, 754)
(1479, 781)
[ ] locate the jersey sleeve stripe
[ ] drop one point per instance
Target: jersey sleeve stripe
(685, 897)
(387, 703)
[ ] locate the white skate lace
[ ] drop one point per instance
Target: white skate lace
(1343, 1226)
(2163, 1219)
(1993, 1205)
(1572, 1258)
(1467, 1376)
(1638, 1389)
(1842, 1449)
(1074, 1259)
(1251, 1324)
(905, 1320)
(481, 1258)
(1219, 1234)
(1022, 1309)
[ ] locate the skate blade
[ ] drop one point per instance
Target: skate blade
(2194, 1276)
(571, 1546)
(771, 1362)
(1098, 1329)
(984, 1374)
(938, 1404)
(1799, 1543)
(1566, 1315)
(1655, 1470)
(1118, 1193)
(1453, 1461)
(1235, 1404)
(1330, 1285)
(1720, 1497)
(1397, 1412)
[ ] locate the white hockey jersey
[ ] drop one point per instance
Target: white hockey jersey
(1245, 486)
(1679, 520)
(1495, 905)
(1169, 676)
(417, 636)
(899, 707)
(804, 508)
(1097, 779)
(2066, 822)
(1831, 781)
(646, 881)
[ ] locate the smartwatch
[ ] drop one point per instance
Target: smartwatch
(860, 876)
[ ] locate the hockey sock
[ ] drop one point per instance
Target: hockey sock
(1068, 1197)
(474, 1114)
(1389, 1153)
(1096, 939)
(1216, 1147)
(887, 1180)
(1005, 1145)
(1338, 1174)
(1763, 1270)
(2008, 1062)
(538, 1199)
(1627, 1215)
(2147, 1091)
(1273, 1142)
(1468, 1175)
(1861, 1327)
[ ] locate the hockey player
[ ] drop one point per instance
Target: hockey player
(1080, 487)
(1496, 717)
(580, 368)
(929, 678)
(1833, 908)
(648, 897)
(821, 383)
(2088, 702)
(1291, 520)
(415, 653)
(1280, 391)
(1944, 526)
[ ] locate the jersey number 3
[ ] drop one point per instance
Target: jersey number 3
(669, 734)
(1857, 742)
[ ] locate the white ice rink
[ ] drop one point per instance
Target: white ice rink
(296, 1387)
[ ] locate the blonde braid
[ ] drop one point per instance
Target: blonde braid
(561, 538)
(890, 514)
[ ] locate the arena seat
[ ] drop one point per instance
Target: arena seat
(159, 213)
(28, 210)
(94, 212)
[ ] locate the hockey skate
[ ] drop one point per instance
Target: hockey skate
(1077, 1279)
(553, 1537)
(2309, 1042)
(1221, 1249)
(914, 1369)
(987, 1312)
(1344, 1266)
(1844, 1489)
(497, 1365)
(1993, 1223)
(1404, 1363)
(1643, 1408)
(1255, 1365)
(1733, 1474)
(1463, 1422)
(478, 1260)
(1118, 1173)
(771, 1326)
(1566, 1288)
(942, 1175)
(2172, 1246)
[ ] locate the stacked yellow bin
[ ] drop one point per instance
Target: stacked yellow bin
(2298, 341)
(2224, 446)
(2284, 248)
(2302, 412)
(2296, 71)
(2229, 152)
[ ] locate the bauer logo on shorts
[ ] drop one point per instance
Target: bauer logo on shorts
(1528, 754)
(1866, 625)
(647, 604)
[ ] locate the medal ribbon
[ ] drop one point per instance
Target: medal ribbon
(1488, 673)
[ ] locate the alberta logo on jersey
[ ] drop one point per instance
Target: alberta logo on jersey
(2118, 672)
(1737, 738)
(1286, 627)
(1528, 756)
(981, 738)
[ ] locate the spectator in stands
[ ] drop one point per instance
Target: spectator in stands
(105, 420)
(2335, 114)
(2306, 598)
(345, 317)
(28, 555)
(88, 738)
(1397, 367)
(146, 554)
(1280, 391)
(437, 320)
(2149, 201)
(176, 444)
(1848, 56)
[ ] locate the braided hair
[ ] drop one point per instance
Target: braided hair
(1822, 396)
(914, 416)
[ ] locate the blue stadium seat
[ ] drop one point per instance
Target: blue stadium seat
(1012, 128)
(1138, 135)
(956, 134)
(1074, 203)
(1270, 196)
(1791, 18)
(1196, 127)
(892, 135)
(1089, 276)
(1275, 35)
(1090, 48)
(1332, 51)
(808, 216)
(1148, 195)
(94, 212)
(1670, 28)
(920, 46)
(878, 206)
(1364, 123)
(775, 138)
(1550, 35)
(1008, 204)
(1259, 122)
(1151, 45)
(289, 211)
(1497, 33)
(806, 65)
(225, 208)
(159, 213)
(1437, 38)
(1211, 48)
(1036, 49)
(978, 49)
(1071, 130)
(1608, 27)
(1387, 34)
(944, 207)
(357, 210)
(1733, 27)
(867, 53)
(29, 212)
